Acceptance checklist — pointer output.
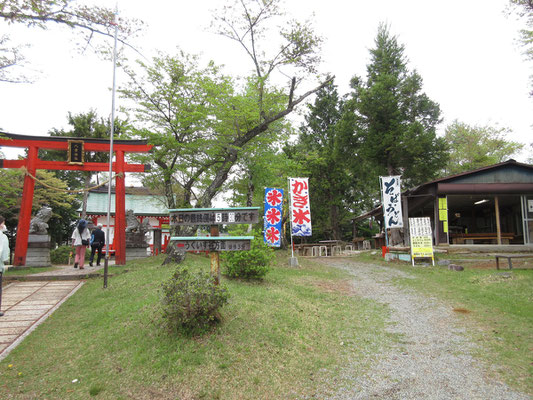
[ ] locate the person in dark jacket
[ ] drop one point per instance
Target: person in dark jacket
(97, 243)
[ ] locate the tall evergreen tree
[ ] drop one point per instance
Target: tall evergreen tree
(396, 121)
(326, 151)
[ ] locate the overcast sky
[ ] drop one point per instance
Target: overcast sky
(466, 52)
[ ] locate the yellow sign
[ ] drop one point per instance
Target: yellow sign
(443, 215)
(422, 246)
(421, 238)
(443, 203)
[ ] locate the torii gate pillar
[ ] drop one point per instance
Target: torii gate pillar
(23, 229)
(120, 210)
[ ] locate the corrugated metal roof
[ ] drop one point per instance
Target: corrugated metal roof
(140, 204)
(506, 172)
(518, 172)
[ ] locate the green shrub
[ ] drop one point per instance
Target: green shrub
(60, 255)
(251, 264)
(191, 301)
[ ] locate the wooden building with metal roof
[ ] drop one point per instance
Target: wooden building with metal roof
(489, 205)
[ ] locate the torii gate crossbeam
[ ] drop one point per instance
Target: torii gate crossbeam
(32, 163)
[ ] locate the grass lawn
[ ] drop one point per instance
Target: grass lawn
(498, 305)
(28, 271)
(283, 338)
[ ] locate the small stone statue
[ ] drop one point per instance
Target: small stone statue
(38, 224)
(133, 225)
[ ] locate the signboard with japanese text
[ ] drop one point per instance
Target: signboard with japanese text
(214, 216)
(300, 209)
(392, 204)
(75, 152)
(273, 216)
(421, 238)
(213, 243)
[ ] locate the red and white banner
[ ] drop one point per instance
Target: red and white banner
(300, 207)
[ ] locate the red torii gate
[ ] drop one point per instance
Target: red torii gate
(76, 148)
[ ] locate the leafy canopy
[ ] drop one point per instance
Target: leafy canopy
(88, 21)
(473, 147)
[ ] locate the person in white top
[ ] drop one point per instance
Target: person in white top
(80, 241)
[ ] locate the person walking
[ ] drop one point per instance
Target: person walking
(97, 243)
(4, 254)
(80, 240)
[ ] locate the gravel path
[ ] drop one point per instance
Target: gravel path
(434, 359)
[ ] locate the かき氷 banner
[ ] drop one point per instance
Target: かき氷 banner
(300, 207)
(273, 216)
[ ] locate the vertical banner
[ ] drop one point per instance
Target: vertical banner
(421, 238)
(392, 204)
(300, 210)
(273, 216)
(443, 213)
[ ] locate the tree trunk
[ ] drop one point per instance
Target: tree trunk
(334, 222)
(86, 185)
(250, 196)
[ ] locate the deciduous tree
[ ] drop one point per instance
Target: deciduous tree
(473, 147)
(88, 21)
(49, 191)
(202, 122)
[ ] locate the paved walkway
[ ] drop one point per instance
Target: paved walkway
(26, 304)
(30, 299)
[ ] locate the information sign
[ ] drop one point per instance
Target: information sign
(421, 239)
(210, 243)
(212, 216)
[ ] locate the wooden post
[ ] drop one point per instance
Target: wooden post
(23, 228)
(215, 257)
(498, 228)
(406, 234)
(436, 220)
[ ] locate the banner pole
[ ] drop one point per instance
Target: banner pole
(111, 135)
(383, 207)
(290, 215)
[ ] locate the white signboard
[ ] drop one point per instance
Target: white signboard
(530, 205)
(392, 202)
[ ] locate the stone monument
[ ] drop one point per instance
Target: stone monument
(38, 254)
(136, 244)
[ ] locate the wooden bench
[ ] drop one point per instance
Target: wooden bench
(470, 238)
(509, 258)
